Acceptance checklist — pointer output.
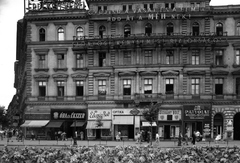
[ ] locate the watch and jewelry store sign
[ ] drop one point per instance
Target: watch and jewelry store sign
(68, 115)
(197, 112)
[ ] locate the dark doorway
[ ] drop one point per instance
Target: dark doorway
(199, 127)
(218, 124)
(98, 134)
(130, 131)
(167, 132)
(236, 127)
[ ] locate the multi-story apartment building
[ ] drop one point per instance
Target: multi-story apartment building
(101, 62)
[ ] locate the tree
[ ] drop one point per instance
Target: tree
(150, 113)
(3, 117)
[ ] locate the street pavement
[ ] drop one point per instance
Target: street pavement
(59, 144)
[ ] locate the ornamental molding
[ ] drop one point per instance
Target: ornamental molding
(220, 72)
(41, 24)
(127, 73)
(60, 50)
(41, 51)
(148, 73)
(237, 72)
(170, 73)
(101, 74)
(60, 76)
(41, 77)
(77, 76)
(196, 72)
(54, 103)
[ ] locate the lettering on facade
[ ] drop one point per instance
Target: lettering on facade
(196, 112)
(104, 114)
(175, 115)
(59, 114)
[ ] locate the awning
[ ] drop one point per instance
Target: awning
(92, 125)
(78, 124)
(148, 124)
(124, 120)
(25, 124)
(38, 123)
(54, 124)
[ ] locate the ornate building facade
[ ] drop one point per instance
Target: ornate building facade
(94, 63)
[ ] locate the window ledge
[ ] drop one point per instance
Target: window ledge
(216, 66)
(76, 69)
(235, 65)
(60, 69)
(41, 69)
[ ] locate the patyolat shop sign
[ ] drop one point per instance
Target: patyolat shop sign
(68, 115)
(197, 112)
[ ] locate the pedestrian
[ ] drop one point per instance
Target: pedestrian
(194, 138)
(186, 138)
(81, 135)
(32, 136)
(120, 136)
(157, 137)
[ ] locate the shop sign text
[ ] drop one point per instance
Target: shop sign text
(64, 115)
(196, 112)
(94, 114)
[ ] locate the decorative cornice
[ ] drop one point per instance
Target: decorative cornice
(55, 103)
(41, 51)
(237, 72)
(220, 72)
(60, 76)
(41, 24)
(60, 50)
(196, 72)
(127, 73)
(102, 74)
(148, 73)
(41, 76)
(170, 73)
(79, 76)
(60, 23)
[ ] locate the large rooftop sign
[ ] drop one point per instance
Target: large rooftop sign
(38, 5)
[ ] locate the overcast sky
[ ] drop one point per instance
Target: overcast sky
(10, 12)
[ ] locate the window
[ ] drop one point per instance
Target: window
(127, 30)
(238, 29)
(60, 61)
(148, 29)
(41, 61)
(195, 29)
(42, 34)
(102, 59)
(170, 5)
(127, 57)
(169, 117)
(79, 88)
(102, 8)
(127, 7)
(195, 86)
(218, 86)
(169, 86)
(79, 32)
(147, 86)
(60, 34)
(170, 29)
(219, 57)
(237, 57)
(195, 57)
(219, 29)
(102, 31)
(79, 60)
(124, 7)
(42, 88)
(170, 57)
(102, 87)
(126, 87)
(60, 88)
(238, 86)
(148, 56)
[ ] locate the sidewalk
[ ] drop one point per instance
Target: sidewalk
(54, 143)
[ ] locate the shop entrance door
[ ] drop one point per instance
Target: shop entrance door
(131, 131)
(167, 132)
(199, 127)
(98, 134)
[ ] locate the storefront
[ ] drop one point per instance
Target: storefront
(99, 125)
(68, 121)
(197, 118)
(125, 123)
(169, 122)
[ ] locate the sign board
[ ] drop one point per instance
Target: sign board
(164, 114)
(229, 124)
(207, 129)
(93, 114)
(68, 114)
(197, 112)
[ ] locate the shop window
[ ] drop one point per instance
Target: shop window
(106, 132)
(79, 32)
(41, 61)
(42, 34)
(60, 88)
(219, 29)
(126, 87)
(79, 60)
(79, 88)
(195, 86)
(237, 57)
(102, 87)
(169, 86)
(102, 31)
(238, 29)
(238, 86)
(102, 59)
(219, 57)
(91, 133)
(60, 34)
(195, 29)
(148, 29)
(60, 61)
(147, 86)
(42, 88)
(170, 29)
(173, 131)
(127, 57)
(127, 30)
(218, 86)
(195, 57)
(148, 56)
(170, 57)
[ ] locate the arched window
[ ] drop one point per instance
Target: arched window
(102, 31)
(42, 34)
(148, 29)
(195, 29)
(60, 34)
(127, 30)
(219, 29)
(79, 32)
(170, 29)
(238, 28)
